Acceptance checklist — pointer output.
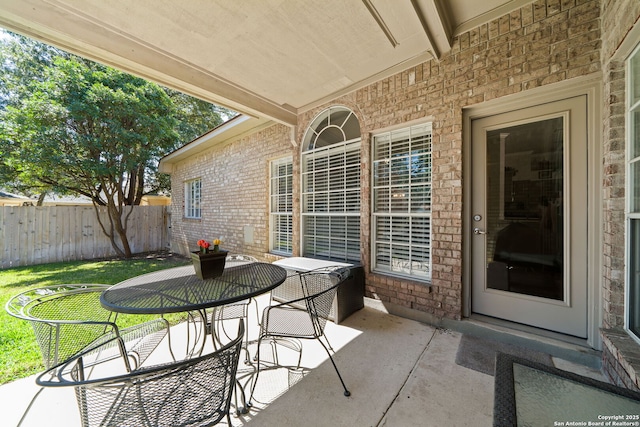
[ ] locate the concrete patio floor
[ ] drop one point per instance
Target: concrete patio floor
(400, 373)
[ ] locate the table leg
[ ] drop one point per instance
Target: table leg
(196, 336)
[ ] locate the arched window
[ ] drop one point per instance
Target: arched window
(333, 126)
(331, 186)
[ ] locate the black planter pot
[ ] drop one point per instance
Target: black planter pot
(208, 265)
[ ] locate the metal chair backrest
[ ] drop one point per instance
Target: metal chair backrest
(193, 392)
(65, 318)
(319, 288)
(237, 310)
(239, 259)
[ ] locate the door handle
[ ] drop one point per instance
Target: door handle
(478, 231)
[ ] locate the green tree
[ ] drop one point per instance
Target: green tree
(72, 126)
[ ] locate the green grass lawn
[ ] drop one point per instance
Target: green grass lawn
(19, 353)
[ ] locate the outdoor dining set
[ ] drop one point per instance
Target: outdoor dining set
(116, 371)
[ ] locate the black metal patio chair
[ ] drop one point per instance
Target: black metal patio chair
(289, 320)
(67, 319)
(238, 310)
(193, 392)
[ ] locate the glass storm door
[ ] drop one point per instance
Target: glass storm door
(529, 216)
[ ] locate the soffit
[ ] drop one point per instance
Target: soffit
(263, 58)
(228, 132)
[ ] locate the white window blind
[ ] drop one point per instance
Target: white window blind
(281, 201)
(192, 198)
(331, 202)
(401, 220)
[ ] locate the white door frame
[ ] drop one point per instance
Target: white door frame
(591, 86)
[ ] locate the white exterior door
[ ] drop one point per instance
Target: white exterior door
(529, 216)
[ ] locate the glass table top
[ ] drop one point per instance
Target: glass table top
(533, 394)
(546, 399)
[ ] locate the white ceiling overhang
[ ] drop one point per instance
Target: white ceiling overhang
(264, 58)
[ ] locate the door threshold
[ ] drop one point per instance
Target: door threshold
(529, 330)
(559, 345)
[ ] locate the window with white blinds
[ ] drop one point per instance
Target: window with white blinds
(401, 208)
(331, 186)
(192, 198)
(331, 202)
(281, 209)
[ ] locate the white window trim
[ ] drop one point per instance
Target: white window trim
(273, 214)
(192, 204)
(375, 215)
(629, 214)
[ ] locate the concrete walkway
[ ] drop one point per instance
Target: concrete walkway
(400, 373)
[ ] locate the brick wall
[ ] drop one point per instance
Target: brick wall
(235, 192)
(620, 352)
(613, 195)
(618, 18)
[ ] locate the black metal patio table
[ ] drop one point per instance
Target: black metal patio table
(179, 290)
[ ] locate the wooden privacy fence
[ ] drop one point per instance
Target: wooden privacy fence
(40, 234)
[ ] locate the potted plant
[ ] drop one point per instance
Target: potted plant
(208, 262)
